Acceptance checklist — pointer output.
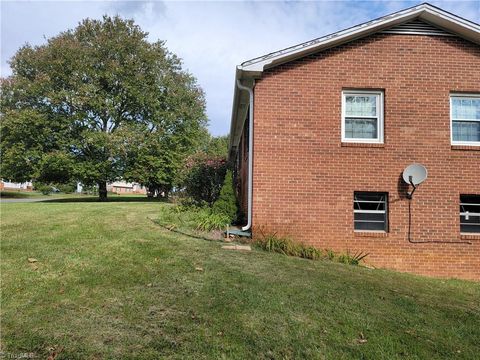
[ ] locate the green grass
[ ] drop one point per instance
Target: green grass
(111, 284)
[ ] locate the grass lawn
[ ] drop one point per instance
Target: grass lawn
(111, 284)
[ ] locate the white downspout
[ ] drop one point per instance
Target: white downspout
(250, 155)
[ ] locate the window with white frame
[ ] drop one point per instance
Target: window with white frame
(362, 116)
(370, 211)
(465, 119)
(470, 214)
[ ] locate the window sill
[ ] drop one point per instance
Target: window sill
(366, 145)
(376, 234)
(466, 147)
(470, 236)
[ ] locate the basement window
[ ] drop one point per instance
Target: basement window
(370, 211)
(470, 214)
(362, 116)
(465, 119)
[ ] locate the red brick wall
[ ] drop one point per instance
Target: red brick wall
(304, 177)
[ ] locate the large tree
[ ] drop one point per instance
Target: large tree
(96, 104)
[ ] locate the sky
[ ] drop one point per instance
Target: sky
(211, 37)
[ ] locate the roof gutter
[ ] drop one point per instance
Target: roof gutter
(250, 155)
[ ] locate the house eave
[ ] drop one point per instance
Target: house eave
(253, 69)
(435, 16)
(239, 109)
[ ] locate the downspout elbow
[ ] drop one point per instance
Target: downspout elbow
(250, 155)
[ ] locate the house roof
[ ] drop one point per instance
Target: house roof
(429, 14)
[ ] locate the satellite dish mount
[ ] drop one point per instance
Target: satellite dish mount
(410, 193)
(414, 175)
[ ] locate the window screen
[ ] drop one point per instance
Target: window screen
(370, 211)
(470, 213)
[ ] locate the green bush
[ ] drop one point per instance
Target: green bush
(189, 217)
(310, 252)
(286, 246)
(44, 189)
(351, 259)
(330, 254)
(66, 188)
(272, 243)
(203, 177)
(208, 220)
(226, 203)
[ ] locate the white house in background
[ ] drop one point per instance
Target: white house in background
(122, 187)
(6, 185)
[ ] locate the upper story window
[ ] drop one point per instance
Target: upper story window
(465, 117)
(362, 116)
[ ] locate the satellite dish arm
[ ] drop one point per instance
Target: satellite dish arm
(410, 193)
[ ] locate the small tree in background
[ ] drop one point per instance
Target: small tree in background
(214, 146)
(226, 203)
(203, 178)
(203, 174)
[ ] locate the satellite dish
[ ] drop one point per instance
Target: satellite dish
(415, 174)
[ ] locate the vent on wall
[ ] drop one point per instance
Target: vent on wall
(417, 27)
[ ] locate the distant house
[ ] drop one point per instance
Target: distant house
(6, 185)
(122, 187)
(322, 131)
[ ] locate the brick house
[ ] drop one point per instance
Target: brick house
(123, 187)
(322, 131)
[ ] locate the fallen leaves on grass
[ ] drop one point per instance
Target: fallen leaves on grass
(54, 353)
(32, 260)
(361, 339)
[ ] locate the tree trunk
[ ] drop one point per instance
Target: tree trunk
(102, 190)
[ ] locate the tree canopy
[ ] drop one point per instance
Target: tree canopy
(96, 104)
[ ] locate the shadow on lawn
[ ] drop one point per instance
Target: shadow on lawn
(110, 199)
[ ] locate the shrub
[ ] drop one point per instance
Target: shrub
(203, 219)
(44, 189)
(90, 190)
(330, 254)
(203, 178)
(351, 259)
(66, 188)
(226, 204)
(286, 246)
(208, 220)
(310, 252)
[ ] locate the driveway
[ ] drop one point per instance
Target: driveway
(29, 200)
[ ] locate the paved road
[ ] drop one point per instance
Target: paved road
(27, 200)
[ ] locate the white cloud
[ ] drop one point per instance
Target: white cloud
(211, 37)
